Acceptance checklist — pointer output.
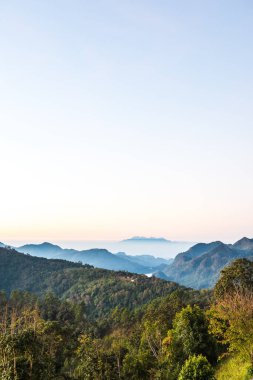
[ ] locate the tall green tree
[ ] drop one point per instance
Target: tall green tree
(189, 336)
(238, 276)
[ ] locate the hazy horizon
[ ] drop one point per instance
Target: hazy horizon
(119, 118)
(157, 249)
(166, 250)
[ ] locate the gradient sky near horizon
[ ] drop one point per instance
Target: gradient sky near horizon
(121, 118)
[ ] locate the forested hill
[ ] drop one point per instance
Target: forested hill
(100, 289)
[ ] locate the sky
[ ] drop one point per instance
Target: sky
(122, 118)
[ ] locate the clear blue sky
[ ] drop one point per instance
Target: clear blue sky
(121, 118)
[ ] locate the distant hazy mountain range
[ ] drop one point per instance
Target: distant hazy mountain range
(100, 258)
(158, 246)
(138, 245)
(199, 267)
(141, 239)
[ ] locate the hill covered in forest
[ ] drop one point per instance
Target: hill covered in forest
(100, 289)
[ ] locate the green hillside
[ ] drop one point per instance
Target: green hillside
(100, 289)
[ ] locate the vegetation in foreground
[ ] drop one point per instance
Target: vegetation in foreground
(181, 334)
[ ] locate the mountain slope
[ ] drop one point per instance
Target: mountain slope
(244, 244)
(146, 260)
(101, 258)
(199, 267)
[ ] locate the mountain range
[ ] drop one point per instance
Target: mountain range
(200, 266)
(144, 239)
(100, 258)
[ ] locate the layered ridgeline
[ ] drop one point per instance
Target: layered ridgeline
(101, 290)
(200, 266)
(100, 258)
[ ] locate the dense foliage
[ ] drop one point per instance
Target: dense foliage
(237, 277)
(104, 325)
(196, 368)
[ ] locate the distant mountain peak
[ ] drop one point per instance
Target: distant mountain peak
(45, 245)
(244, 239)
(244, 243)
(147, 239)
(97, 251)
(197, 250)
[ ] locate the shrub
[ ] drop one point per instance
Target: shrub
(196, 368)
